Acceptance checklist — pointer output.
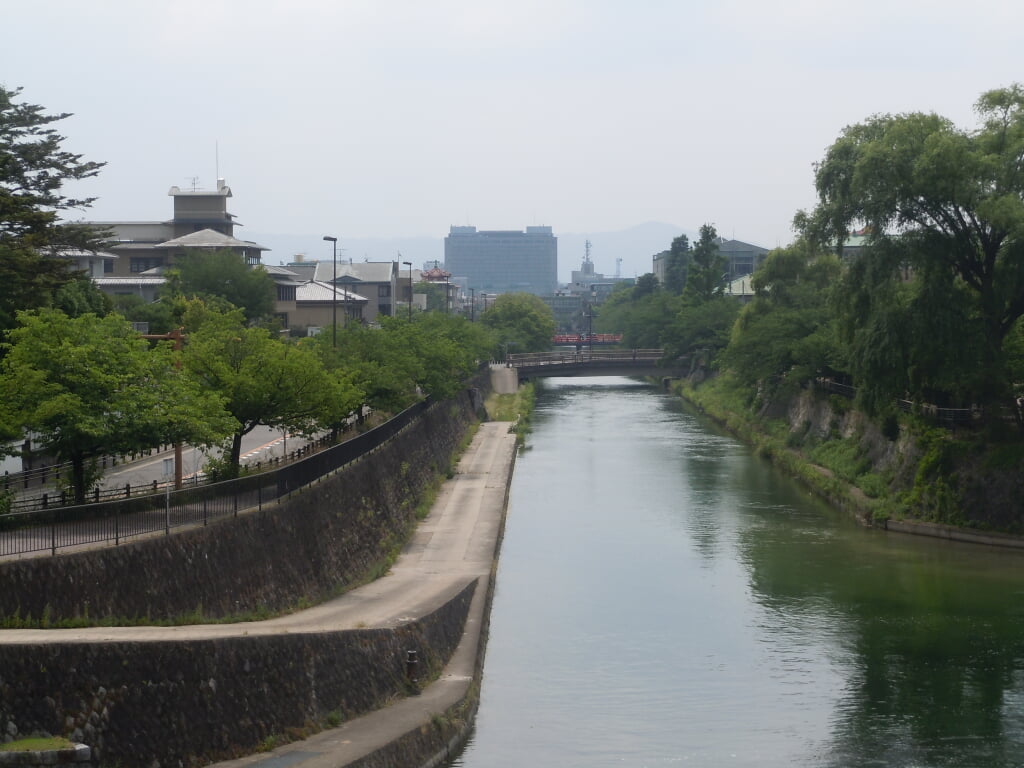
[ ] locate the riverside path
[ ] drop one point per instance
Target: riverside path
(456, 544)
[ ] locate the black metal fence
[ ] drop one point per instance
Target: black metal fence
(63, 527)
(944, 416)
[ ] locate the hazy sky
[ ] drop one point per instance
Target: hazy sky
(386, 118)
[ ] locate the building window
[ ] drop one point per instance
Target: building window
(383, 291)
(108, 266)
(143, 263)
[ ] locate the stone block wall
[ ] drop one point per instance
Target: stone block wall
(184, 703)
(314, 543)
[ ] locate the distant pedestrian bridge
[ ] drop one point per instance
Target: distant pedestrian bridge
(617, 362)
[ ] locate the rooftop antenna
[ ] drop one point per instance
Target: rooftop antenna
(195, 182)
(216, 158)
(586, 254)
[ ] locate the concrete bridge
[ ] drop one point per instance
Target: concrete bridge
(619, 362)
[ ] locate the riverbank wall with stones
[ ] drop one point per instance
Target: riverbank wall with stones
(317, 542)
(186, 703)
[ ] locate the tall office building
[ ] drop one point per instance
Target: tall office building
(503, 261)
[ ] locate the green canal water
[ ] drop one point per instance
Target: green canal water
(665, 597)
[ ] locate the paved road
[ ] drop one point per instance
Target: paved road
(259, 445)
(454, 545)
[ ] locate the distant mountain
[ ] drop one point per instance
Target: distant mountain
(635, 246)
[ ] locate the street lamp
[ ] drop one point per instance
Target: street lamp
(409, 265)
(334, 291)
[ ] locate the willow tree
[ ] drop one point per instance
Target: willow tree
(940, 285)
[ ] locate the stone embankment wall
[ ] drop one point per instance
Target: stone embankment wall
(321, 539)
(185, 703)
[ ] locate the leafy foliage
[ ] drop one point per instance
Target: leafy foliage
(263, 380)
(705, 280)
(787, 328)
(677, 263)
(33, 169)
(641, 314)
(521, 320)
(223, 274)
(945, 211)
(90, 385)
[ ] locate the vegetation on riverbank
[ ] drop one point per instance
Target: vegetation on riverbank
(516, 407)
(879, 469)
(40, 744)
(903, 292)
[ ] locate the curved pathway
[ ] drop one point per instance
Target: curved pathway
(455, 544)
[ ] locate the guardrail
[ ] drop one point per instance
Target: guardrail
(524, 359)
(53, 529)
(55, 497)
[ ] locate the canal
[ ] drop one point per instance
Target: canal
(665, 597)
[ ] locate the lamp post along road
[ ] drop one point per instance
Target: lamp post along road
(334, 291)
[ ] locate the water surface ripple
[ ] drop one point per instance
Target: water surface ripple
(664, 597)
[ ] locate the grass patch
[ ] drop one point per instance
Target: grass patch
(40, 744)
(516, 408)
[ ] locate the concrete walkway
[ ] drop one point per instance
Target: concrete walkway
(456, 544)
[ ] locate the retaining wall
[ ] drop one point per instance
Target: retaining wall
(314, 543)
(185, 703)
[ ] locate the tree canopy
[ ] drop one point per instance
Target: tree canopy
(261, 379)
(522, 321)
(223, 274)
(942, 278)
(89, 386)
(705, 277)
(33, 170)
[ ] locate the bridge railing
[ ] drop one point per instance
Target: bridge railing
(527, 359)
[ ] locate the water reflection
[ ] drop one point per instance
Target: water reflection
(665, 597)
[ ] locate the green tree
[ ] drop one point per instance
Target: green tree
(945, 211)
(224, 274)
(707, 268)
(646, 284)
(159, 314)
(701, 329)
(29, 280)
(377, 365)
(677, 264)
(89, 386)
(641, 314)
(263, 380)
(81, 296)
(436, 295)
(788, 329)
(451, 349)
(33, 170)
(522, 321)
